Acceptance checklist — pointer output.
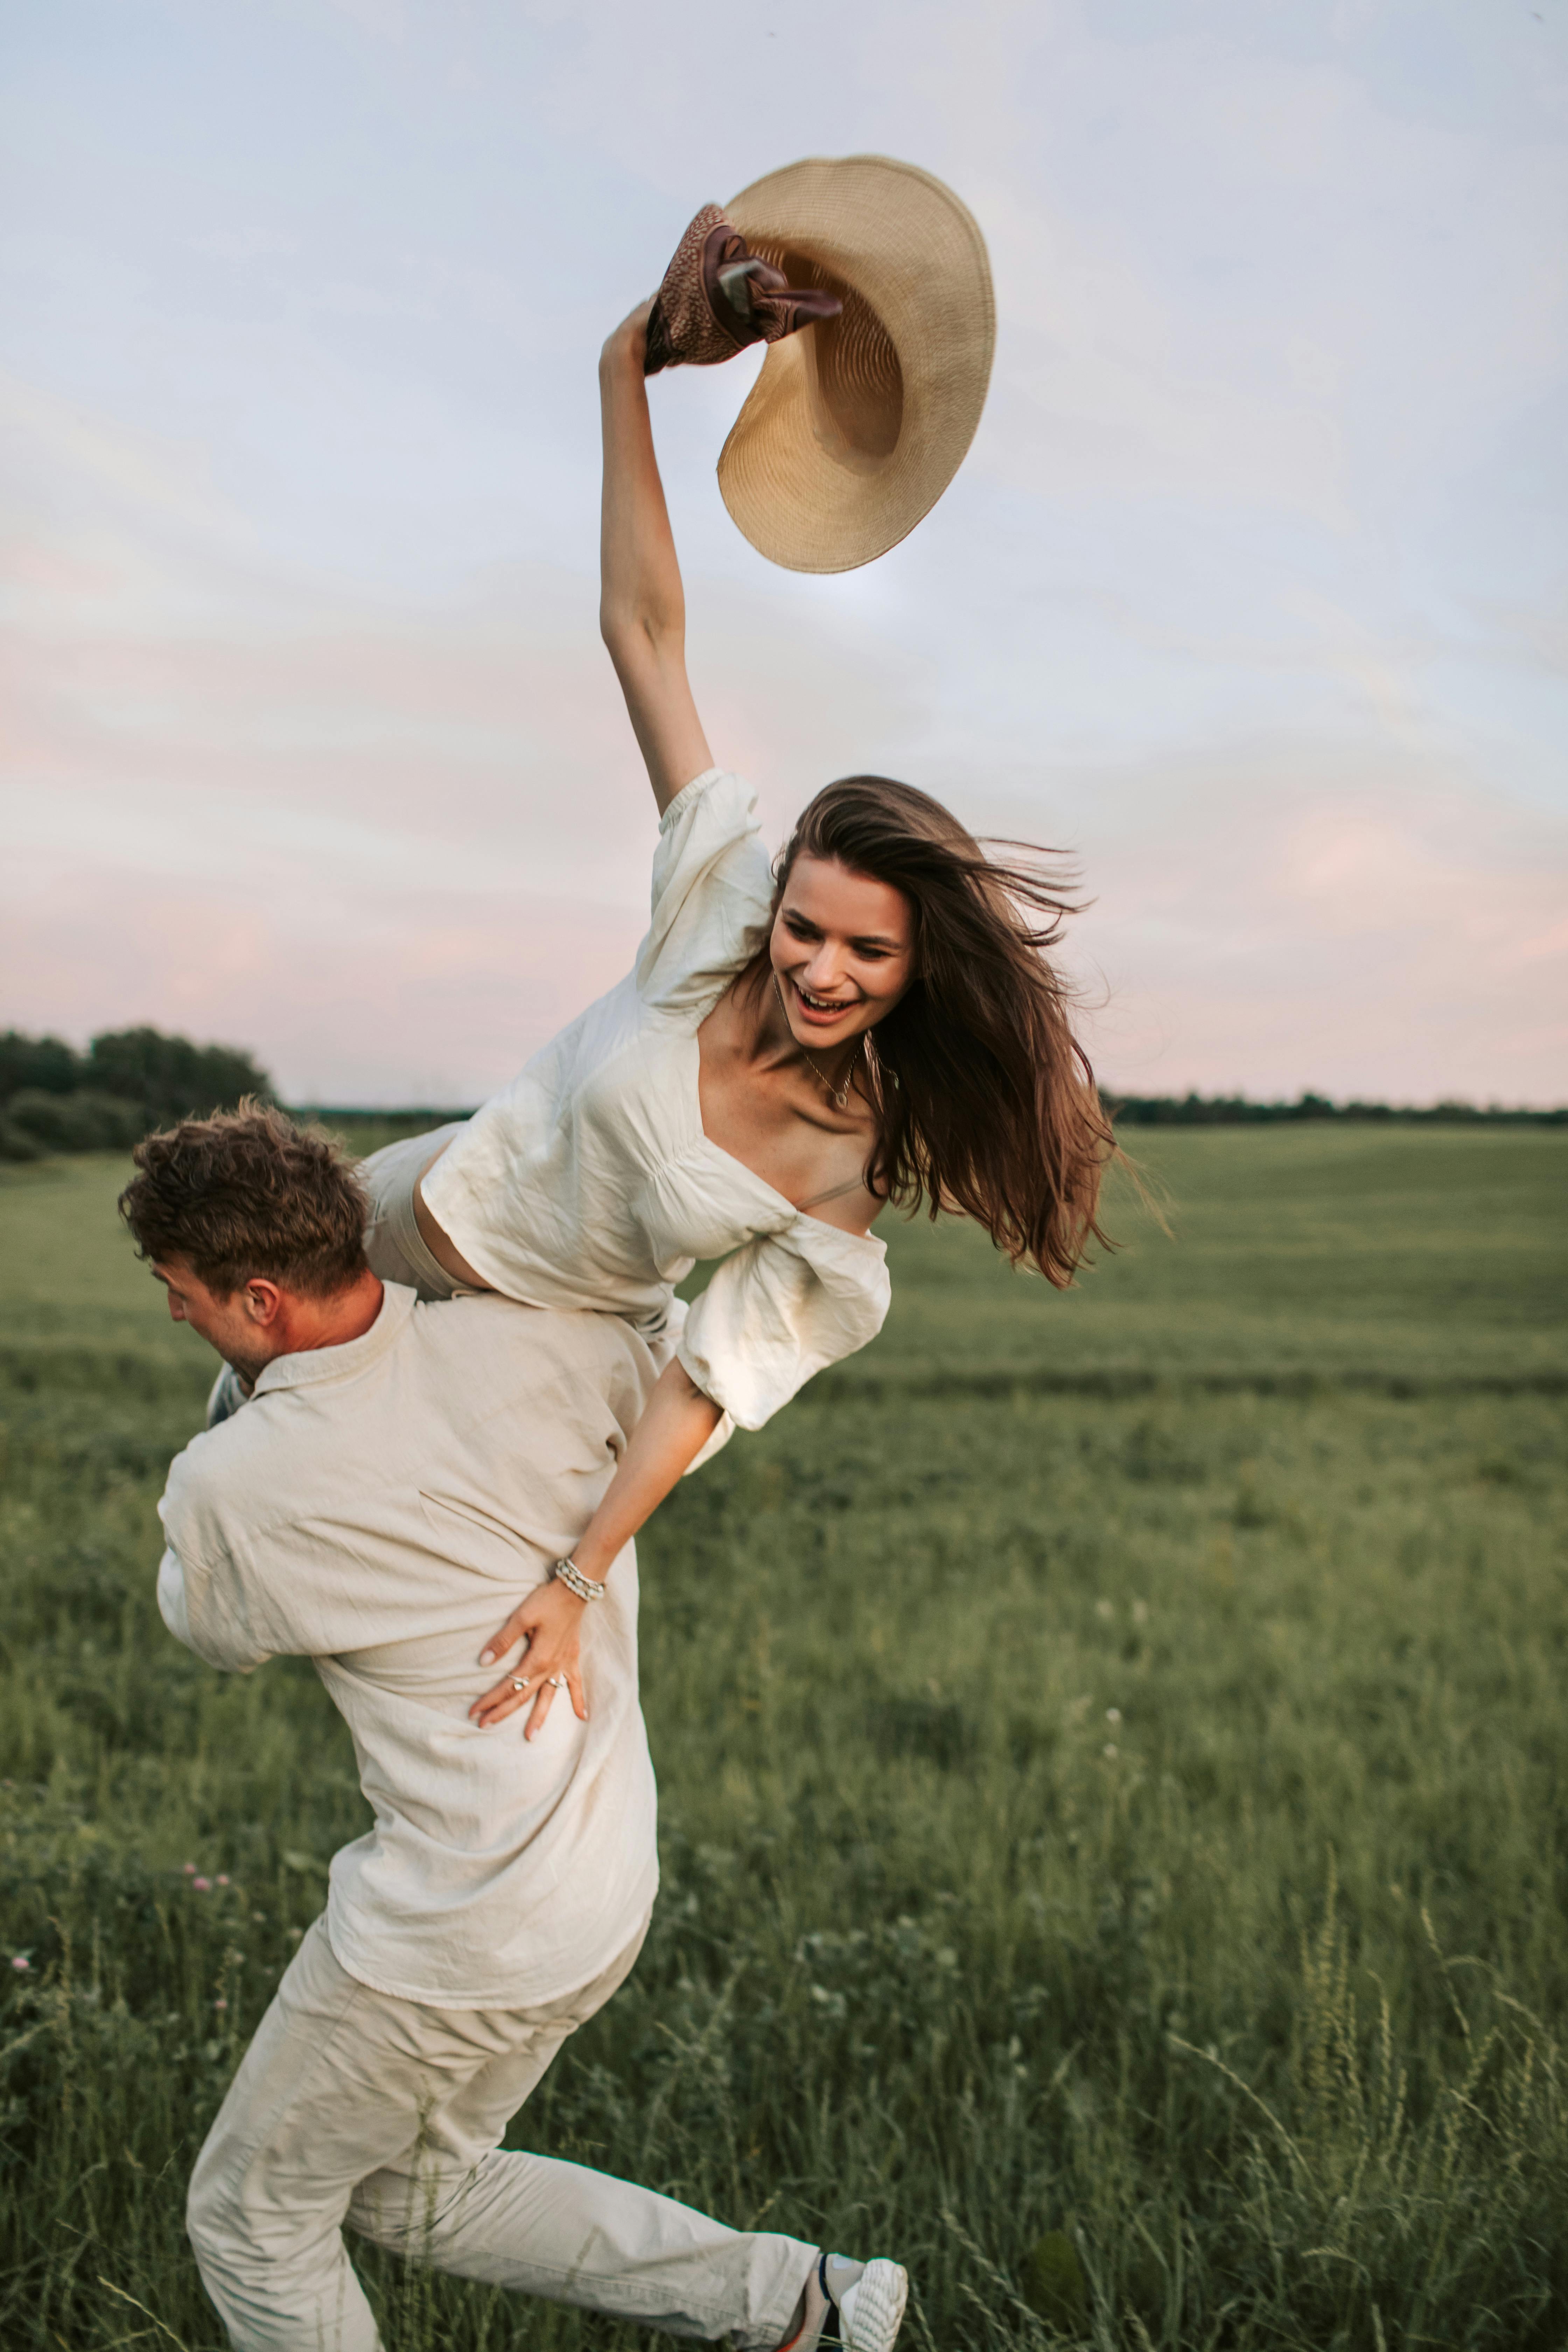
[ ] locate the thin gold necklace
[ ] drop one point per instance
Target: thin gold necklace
(837, 1095)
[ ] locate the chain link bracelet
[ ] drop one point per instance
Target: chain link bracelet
(572, 1578)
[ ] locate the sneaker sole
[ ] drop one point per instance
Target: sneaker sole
(881, 2293)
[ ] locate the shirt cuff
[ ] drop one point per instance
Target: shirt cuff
(723, 1431)
(689, 791)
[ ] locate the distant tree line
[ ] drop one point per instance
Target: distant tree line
(53, 1098)
(1239, 1110)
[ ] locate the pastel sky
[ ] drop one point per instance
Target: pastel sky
(1252, 594)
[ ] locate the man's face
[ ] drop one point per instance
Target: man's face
(240, 1326)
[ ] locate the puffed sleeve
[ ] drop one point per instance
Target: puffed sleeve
(779, 1309)
(713, 891)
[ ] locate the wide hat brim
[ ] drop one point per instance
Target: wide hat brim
(855, 426)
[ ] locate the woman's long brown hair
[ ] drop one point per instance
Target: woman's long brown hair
(985, 1101)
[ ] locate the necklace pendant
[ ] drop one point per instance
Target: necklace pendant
(837, 1095)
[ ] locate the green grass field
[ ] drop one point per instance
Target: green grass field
(1114, 1781)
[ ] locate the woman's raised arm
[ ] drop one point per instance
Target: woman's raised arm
(642, 607)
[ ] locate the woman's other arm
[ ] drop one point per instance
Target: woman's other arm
(676, 1426)
(642, 606)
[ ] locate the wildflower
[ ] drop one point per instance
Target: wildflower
(202, 1885)
(220, 2002)
(1110, 1748)
(221, 1878)
(1105, 1609)
(1113, 1715)
(190, 1869)
(19, 1962)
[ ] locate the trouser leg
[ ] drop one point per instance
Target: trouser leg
(272, 2183)
(576, 2236)
(562, 2231)
(394, 1244)
(353, 2105)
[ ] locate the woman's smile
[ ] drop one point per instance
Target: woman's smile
(821, 1011)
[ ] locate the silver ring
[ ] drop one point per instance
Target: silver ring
(557, 1681)
(516, 1682)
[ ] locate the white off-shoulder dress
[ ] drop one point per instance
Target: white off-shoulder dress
(590, 1183)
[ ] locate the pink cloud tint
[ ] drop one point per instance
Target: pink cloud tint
(392, 996)
(1368, 925)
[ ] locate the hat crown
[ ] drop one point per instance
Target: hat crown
(856, 383)
(857, 424)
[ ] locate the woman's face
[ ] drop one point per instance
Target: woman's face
(842, 948)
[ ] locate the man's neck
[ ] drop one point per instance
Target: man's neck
(331, 1322)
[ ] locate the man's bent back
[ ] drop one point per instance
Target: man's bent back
(379, 1507)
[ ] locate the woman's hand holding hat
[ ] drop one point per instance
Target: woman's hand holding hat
(718, 297)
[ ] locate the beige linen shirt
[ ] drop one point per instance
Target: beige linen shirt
(379, 1508)
(590, 1182)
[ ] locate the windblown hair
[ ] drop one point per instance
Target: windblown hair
(248, 1192)
(985, 1101)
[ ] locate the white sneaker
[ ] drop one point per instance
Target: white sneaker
(866, 2304)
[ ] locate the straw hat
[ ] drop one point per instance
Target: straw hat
(857, 424)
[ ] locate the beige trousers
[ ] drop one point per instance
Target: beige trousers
(353, 2105)
(393, 1244)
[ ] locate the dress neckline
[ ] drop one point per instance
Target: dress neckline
(730, 1160)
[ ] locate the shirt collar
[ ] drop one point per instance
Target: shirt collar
(314, 1366)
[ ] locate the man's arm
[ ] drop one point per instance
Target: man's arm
(218, 1637)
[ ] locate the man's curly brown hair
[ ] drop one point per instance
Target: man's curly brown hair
(248, 1192)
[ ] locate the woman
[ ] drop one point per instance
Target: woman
(880, 1024)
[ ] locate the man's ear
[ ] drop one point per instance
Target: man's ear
(262, 1301)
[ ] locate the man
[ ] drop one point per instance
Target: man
(393, 1474)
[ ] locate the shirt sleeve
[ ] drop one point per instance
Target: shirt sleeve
(779, 1308)
(712, 893)
(172, 1606)
(666, 1350)
(219, 1636)
(204, 1595)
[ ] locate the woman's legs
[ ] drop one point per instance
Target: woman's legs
(393, 1244)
